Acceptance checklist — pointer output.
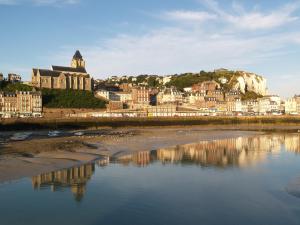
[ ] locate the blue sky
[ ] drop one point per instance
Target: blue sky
(155, 37)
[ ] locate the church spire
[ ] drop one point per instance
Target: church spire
(77, 55)
(77, 61)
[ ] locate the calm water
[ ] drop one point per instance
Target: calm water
(236, 181)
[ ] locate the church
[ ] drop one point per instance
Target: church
(61, 77)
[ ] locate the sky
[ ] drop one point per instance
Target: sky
(132, 37)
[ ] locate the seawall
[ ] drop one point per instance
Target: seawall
(88, 123)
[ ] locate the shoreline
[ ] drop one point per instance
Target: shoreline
(33, 157)
(96, 123)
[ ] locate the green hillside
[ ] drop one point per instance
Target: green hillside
(188, 79)
(71, 99)
(59, 98)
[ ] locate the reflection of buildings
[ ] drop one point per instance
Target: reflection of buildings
(292, 143)
(234, 152)
(74, 178)
(142, 158)
(243, 151)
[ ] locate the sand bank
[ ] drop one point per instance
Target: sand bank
(33, 157)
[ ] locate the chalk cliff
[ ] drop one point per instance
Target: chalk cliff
(245, 81)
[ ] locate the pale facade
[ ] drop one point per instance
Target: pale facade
(20, 104)
(169, 95)
(269, 104)
(60, 77)
(292, 105)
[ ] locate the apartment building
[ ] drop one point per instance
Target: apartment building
(140, 95)
(20, 104)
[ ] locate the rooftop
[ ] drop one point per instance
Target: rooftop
(69, 69)
(77, 55)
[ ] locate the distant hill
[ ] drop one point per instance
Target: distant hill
(238, 80)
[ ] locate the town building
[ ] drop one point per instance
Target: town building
(292, 105)
(20, 104)
(60, 77)
(114, 105)
(104, 94)
(232, 95)
(195, 98)
(125, 87)
(234, 106)
(169, 95)
(124, 97)
(218, 94)
(140, 96)
(250, 107)
(167, 110)
(269, 104)
(14, 78)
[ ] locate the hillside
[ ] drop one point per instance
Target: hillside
(59, 98)
(239, 80)
(71, 99)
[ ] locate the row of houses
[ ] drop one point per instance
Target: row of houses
(205, 97)
(20, 104)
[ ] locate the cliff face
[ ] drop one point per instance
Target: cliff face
(251, 82)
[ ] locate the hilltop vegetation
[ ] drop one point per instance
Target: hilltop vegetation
(59, 98)
(12, 87)
(188, 79)
(71, 99)
(181, 81)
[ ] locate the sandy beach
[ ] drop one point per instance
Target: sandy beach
(32, 157)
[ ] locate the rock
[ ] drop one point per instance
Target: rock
(251, 82)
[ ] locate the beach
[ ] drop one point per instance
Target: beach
(39, 155)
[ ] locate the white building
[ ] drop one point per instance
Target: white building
(169, 95)
(250, 106)
(291, 106)
(120, 96)
(195, 98)
(103, 94)
(269, 104)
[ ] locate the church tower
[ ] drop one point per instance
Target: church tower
(77, 61)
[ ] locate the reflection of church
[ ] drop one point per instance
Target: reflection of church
(74, 178)
(61, 77)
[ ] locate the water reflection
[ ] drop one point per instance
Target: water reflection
(243, 151)
(235, 152)
(74, 178)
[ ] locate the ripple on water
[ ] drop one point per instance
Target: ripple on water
(294, 188)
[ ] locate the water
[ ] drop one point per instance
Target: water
(236, 181)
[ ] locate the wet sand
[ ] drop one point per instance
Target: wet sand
(33, 157)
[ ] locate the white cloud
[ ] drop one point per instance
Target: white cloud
(254, 20)
(179, 48)
(189, 16)
(174, 50)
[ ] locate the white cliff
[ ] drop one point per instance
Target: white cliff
(250, 82)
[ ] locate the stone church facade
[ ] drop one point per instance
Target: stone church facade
(60, 77)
